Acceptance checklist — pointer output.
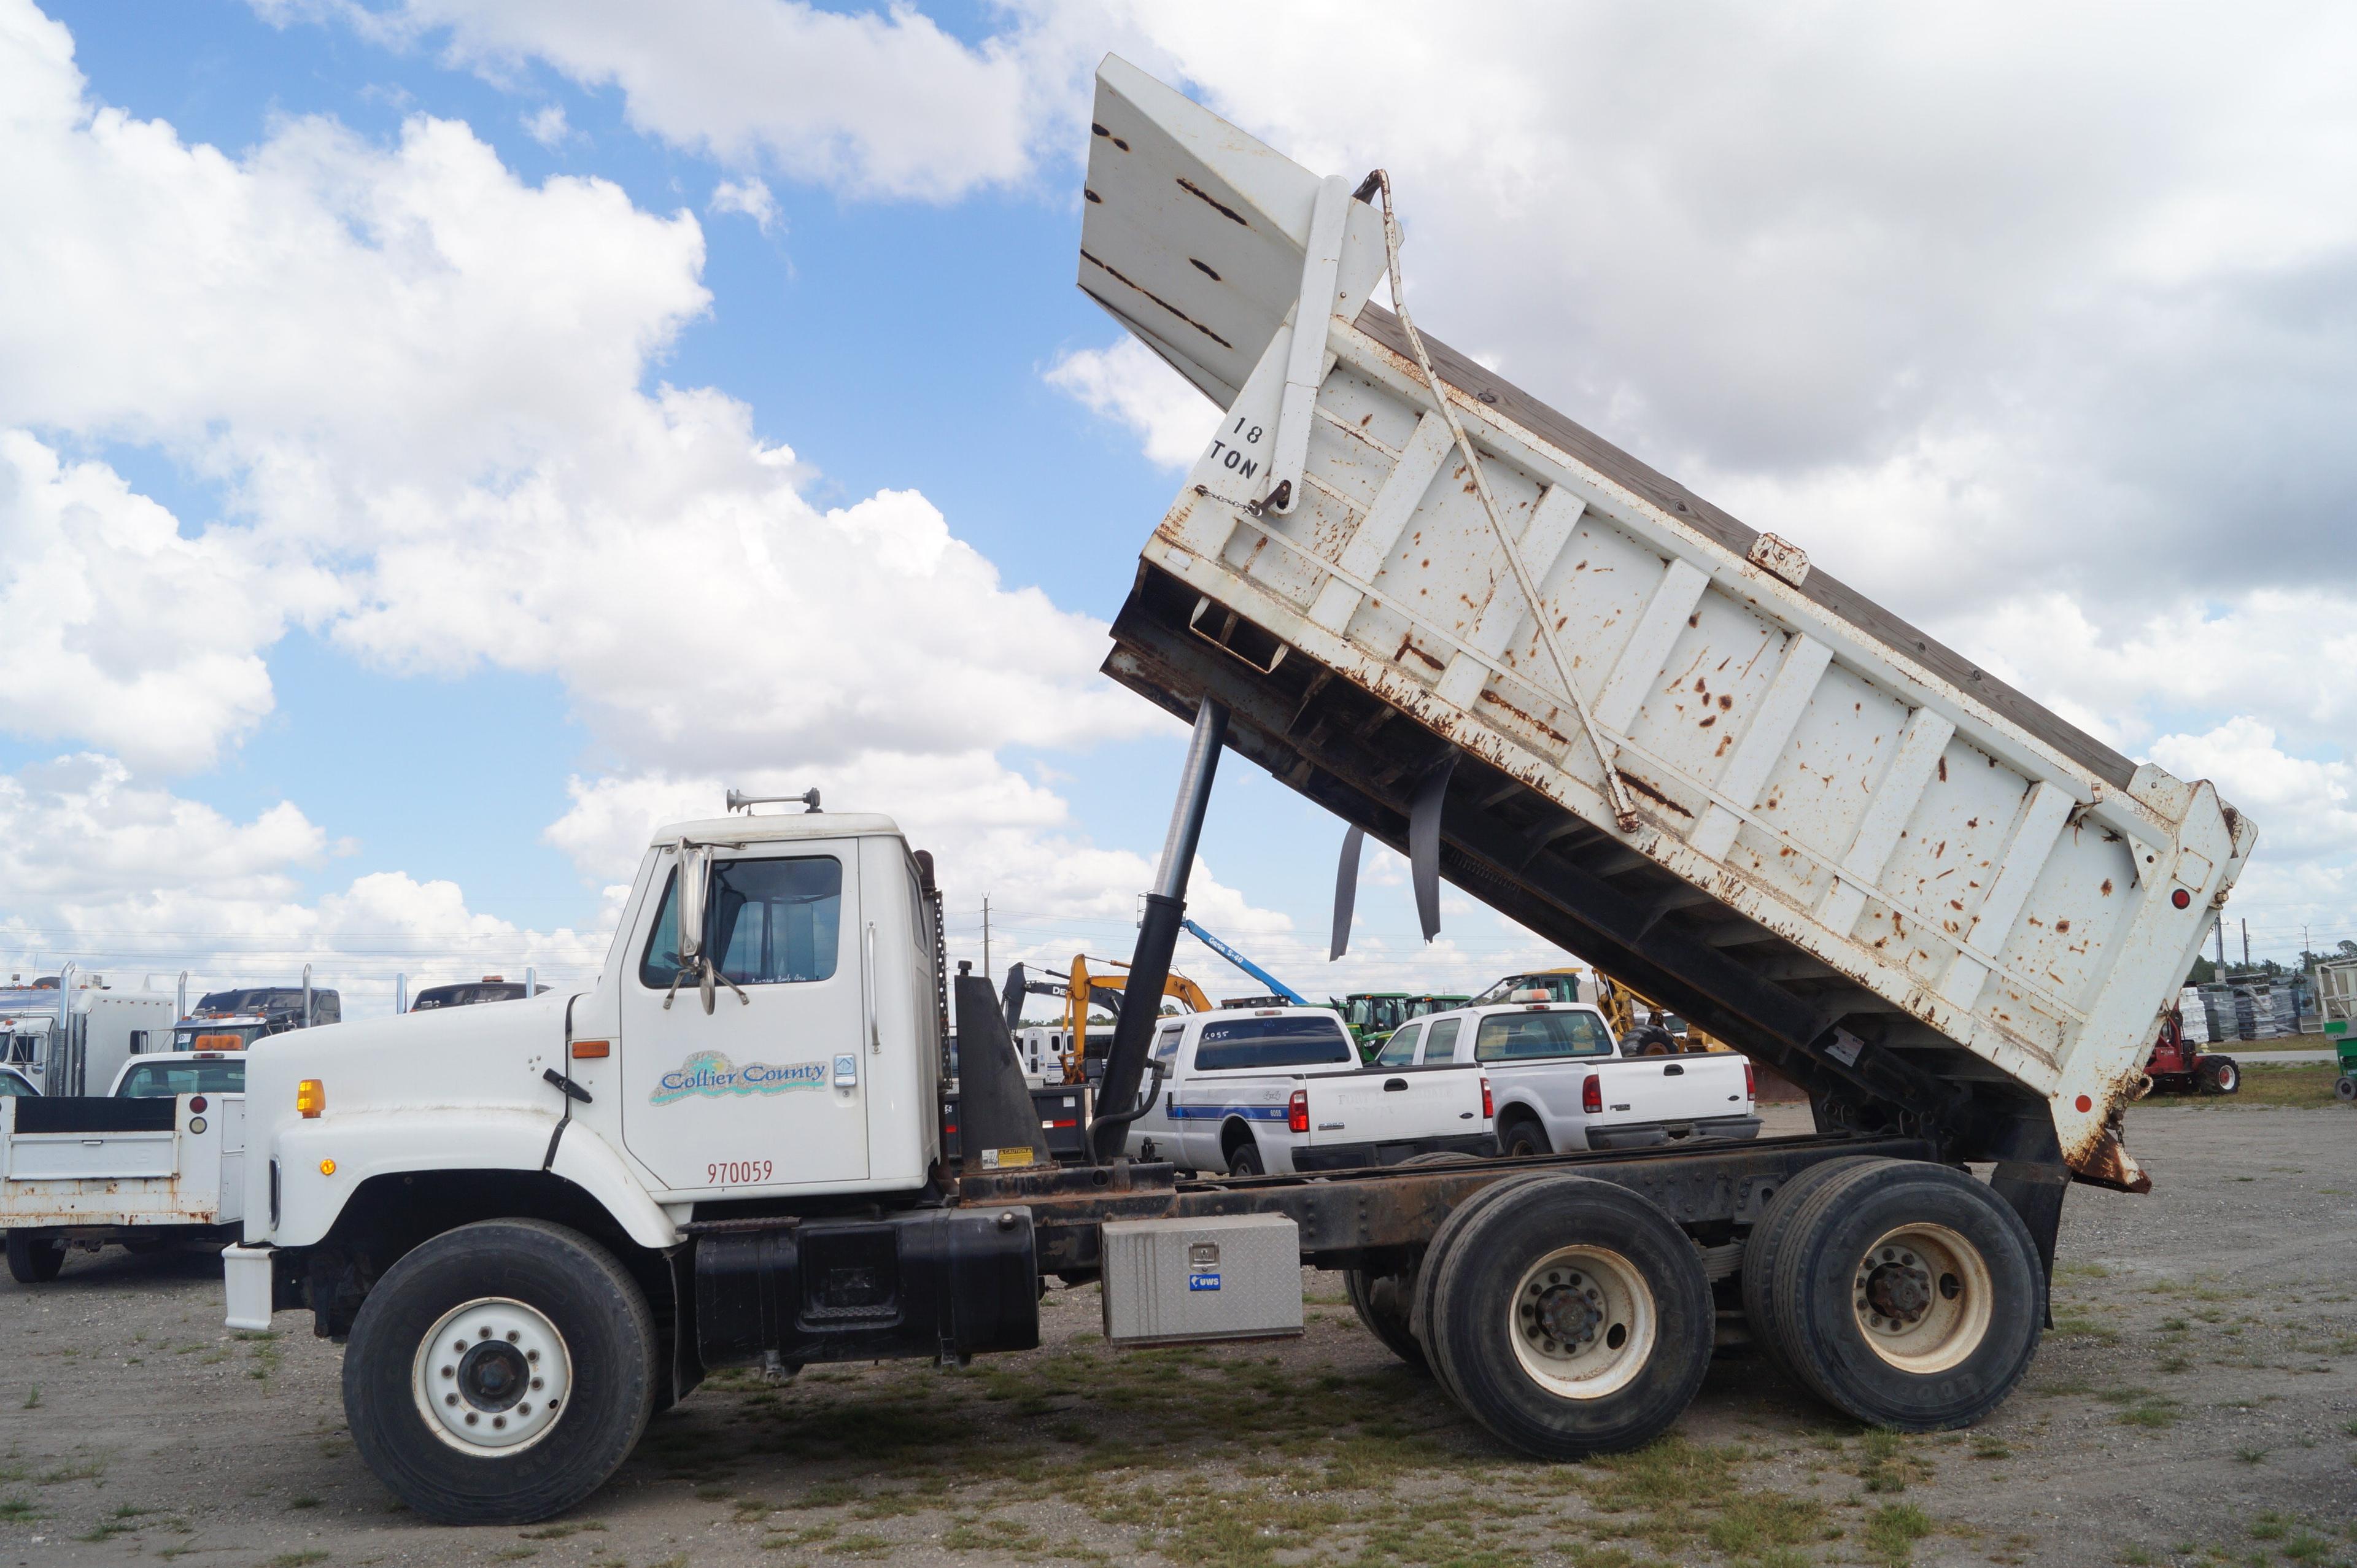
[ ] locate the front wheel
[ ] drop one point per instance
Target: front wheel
(33, 1260)
(2218, 1075)
(2345, 1087)
(501, 1372)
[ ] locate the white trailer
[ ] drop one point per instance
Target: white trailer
(1715, 773)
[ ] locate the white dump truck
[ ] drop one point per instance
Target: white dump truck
(1470, 630)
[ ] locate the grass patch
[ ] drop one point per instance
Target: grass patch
(1892, 1531)
(1889, 1462)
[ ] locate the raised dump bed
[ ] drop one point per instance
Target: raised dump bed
(1773, 805)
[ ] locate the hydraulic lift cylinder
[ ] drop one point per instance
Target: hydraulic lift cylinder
(1158, 933)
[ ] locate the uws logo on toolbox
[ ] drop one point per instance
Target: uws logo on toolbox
(713, 1074)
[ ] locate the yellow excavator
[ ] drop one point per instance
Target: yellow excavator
(1080, 990)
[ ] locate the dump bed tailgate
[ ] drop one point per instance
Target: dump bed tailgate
(1857, 854)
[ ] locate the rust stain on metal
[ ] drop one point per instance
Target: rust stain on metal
(1407, 646)
(1536, 722)
(1114, 274)
(1222, 208)
(1651, 793)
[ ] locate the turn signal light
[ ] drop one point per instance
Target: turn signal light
(1591, 1094)
(1297, 1112)
(311, 1097)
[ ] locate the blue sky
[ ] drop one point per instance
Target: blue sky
(1975, 361)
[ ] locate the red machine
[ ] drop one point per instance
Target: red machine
(2177, 1067)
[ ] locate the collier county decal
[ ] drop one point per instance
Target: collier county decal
(712, 1073)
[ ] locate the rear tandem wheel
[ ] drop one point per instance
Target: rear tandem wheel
(1570, 1317)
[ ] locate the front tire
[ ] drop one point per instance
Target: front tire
(534, 1332)
(1908, 1294)
(33, 1260)
(1572, 1317)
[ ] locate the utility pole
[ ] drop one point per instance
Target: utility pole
(987, 970)
(2220, 929)
(2246, 944)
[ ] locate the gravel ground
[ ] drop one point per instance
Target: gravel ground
(2197, 1403)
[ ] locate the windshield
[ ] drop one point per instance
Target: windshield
(11, 1084)
(1272, 1042)
(161, 1080)
(1522, 1036)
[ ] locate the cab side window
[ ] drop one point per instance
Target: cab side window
(1442, 1046)
(1400, 1050)
(772, 921)
(1165, 1048)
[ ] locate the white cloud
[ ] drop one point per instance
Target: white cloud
(1126, 384)
(748, 198)
(121, 632)
(874, 103)
(546, 126)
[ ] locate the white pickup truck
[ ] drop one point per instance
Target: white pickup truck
(1278, 1091)
(158, 1159)
(1556, 1081)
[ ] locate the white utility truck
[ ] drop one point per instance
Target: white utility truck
(1726, 778)
(159, 1158)
(1279, 1090)
(1555, 1078)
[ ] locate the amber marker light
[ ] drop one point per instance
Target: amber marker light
(327, 1167)
(310, 1097)
(592, 1050)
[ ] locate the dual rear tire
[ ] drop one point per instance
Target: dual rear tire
(1904, 1294)
(1571, 1317)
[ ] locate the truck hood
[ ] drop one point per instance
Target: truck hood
(491, 1055)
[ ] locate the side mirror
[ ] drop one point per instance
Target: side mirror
(694, 888)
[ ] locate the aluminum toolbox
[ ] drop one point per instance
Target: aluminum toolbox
(1231, 1277)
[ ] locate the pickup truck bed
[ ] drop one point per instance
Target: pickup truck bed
(91, 1166)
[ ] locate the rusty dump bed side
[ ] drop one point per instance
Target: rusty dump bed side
(1940, 907)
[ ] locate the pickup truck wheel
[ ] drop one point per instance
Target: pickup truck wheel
(501, 1372)
(1522, 1137)
(1767, 1239)
(1381, 1303)
(1245, 1160)
(1572, 1317)
(1907, 1295)
(33, 1260)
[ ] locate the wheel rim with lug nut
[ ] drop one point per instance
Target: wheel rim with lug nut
(1922, 1296)
(493, 1377)
(1583, 1322)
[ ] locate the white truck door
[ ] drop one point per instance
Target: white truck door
(767, 1091)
